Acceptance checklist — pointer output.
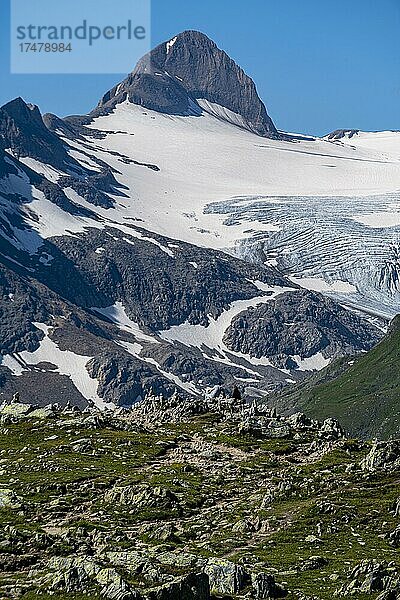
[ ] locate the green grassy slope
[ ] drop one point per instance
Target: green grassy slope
(364, 394)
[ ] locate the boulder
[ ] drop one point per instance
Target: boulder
(313, 563)
(9, 499)
(141, 498)
(190, 587)
(225, 576)
(77, 574)
(16, 409)
(370, 576)
(114, 586)
(383, 455)
(331, 430)
(394, 537)
(265, 586)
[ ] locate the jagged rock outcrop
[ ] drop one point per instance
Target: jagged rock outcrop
(225, 576)
(190, 587)
(371, 576)
(383, 455)
(339, 134)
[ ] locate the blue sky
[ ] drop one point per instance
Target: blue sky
(318, 64)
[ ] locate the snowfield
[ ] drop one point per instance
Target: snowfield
(204, 160)
(324, 212)
(310, 205)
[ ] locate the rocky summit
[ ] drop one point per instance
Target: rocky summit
(181, 500)
(188, 74)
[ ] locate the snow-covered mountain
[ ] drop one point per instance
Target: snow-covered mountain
(189, 75)
(164, 239)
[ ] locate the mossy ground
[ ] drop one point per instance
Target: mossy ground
(64, 489)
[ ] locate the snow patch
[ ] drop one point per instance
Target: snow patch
(42, 168)
(135, 350)
(379, 220)
(171, 43)
(117, 314)
(13, 364)
(211, 336)
(313, 363)
(318, 284)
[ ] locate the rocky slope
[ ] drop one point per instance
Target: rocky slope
(177, 500)
(363, 393)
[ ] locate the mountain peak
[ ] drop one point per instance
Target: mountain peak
(20, 110)
(23, 131)
(192, 35)
(188, 74)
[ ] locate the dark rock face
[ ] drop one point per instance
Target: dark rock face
(158, 286)
(299, 323)
(158, 289)
(23, 131)
(20, 305)
(265, 586)
(124, 379)
(173, 76)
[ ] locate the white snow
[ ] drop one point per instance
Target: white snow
(386, 142)
(13, 364)
(313, 363)
(117, 314)
(313, 204)
(204, 159)
(171, 43)
(53, 221)
(317, 284)
(379, 220)
(41, 168)
(135, 350)
(211, 336)
(222, 113)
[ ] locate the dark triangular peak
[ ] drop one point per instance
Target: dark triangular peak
(190, 74)
(23, 133)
